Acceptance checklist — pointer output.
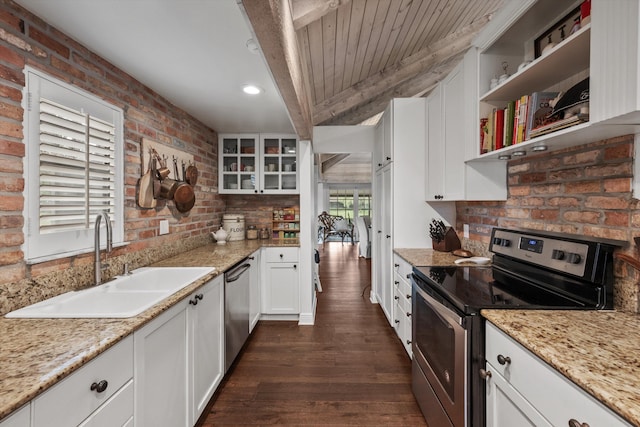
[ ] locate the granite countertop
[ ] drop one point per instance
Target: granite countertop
(597, 350)
(37, 353)
(426, 257)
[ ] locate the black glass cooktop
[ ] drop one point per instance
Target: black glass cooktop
(470, 289)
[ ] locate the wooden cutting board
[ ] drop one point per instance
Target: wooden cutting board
(145, 189)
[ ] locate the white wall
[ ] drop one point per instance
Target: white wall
(343, 139)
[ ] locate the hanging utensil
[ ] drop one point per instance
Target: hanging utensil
(146, 198)
(191, 174)
(183, 194)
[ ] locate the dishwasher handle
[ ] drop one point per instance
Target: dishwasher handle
(234, 275)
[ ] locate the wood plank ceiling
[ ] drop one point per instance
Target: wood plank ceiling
(339, 62)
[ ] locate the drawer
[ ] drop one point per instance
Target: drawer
(550, 392)
(402, 267)
(401, 299)
(19, 418)
(117, 411)
(281, 255)
(71, 401)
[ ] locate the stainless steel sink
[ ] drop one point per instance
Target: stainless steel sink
(125, 296)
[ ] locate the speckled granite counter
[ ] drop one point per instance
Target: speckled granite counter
(597, 350)
(37, 353)
(426, 257)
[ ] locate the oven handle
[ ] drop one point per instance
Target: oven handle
(443, 313)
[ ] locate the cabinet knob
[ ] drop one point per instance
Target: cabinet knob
(396, 321)
(408, 314)
(281, 256)
(193, 301)
(295, 267)
(251, 258)
(575, 423)
(199, 297)
(100, 386)
(504, 360)
(388, 158)
(395, 282)
(388, 236)
(485, 374)
(396, 265)
(408, 342)
(255, 191)
(409, 276)
(408, 296)
(396, 297)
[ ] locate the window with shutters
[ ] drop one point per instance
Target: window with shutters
(73, 166)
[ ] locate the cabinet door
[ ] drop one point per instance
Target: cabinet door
(281, 293)
(20, 418)
(506, 407)
(206, 323)
(454, 134)
(254, 290)
(387, 242)
(160, 353)
(279, 164)
(434, 146)
(238, 164)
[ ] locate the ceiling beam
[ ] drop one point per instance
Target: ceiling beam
(332, 161)
(272, 25)
(307, 11)
(391, 79)
(417, 86)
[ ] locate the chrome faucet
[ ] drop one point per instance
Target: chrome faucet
(107, 222)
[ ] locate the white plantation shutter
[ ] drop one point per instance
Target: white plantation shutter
(74, 160)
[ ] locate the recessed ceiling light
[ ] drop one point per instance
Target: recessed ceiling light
(540, 147)
(504, 157)
(252, 46)
(251, 90)
(519, 153)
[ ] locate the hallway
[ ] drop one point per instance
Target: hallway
(348, 369)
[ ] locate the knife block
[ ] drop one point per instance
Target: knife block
(451, 242)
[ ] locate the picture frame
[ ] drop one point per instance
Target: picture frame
(557, 32)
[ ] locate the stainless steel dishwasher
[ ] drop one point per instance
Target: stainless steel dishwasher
(236, 310)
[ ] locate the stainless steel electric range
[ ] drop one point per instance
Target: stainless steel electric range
(530, 270)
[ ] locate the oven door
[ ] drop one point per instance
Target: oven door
(439, 350)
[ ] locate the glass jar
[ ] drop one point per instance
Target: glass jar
(264, 233)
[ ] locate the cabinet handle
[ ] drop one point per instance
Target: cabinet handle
(255, 191)
(408, 296)
(193, 301)
(396, 265)
(408, 314)
(504, 360)
(295, 267)
(396, 297)
(396, 321)
(281, 256)
(199, 297)
(251, 258)
(575, 423)
(408, 342)
(388, 158)
(100, 386)
(409, 276)
(379, 231)
(388, 236)
(395, 282)
(485, 374)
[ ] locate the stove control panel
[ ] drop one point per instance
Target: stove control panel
(548, 251)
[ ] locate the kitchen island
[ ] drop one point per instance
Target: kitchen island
(37, 353)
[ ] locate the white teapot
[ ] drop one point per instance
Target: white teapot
(220, 236)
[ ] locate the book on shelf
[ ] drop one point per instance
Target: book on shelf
(510, 112)
(559, 124)
(499, 129)
(538, 111)
(522, 118)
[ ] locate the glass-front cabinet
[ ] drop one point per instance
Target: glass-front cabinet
(258, 164)
(238, 163)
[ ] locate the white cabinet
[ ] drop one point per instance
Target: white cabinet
(179, 359)
(205, 318)
(402, 302)
(254, 290)
(19, 418)
(101, 393)
(523, 390)
(450, 120)
(161, 357)
(400, 215)
(281, 281)
(605, 50)
(258, 164)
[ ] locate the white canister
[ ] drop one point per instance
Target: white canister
(234, 225)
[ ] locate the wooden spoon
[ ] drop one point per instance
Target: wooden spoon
(145, 188)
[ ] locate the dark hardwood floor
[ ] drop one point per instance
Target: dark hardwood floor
(347, 369)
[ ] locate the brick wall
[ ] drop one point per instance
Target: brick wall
(584, 190)
(258, 210)
(25, 39)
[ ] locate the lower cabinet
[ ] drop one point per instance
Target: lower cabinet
(254, 290)
(179, 359)
(402, 322)
(280, 292)
(20, 418)
(98, 394)
(523, 390)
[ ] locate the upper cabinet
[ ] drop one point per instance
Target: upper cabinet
(602, 48)
(451, 134)
(258, 164)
